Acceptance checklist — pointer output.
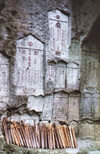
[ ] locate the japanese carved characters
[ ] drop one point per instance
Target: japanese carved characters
(29, 67)
(50, 77)
(58, 27)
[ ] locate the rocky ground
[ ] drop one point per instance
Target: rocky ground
(84, 147)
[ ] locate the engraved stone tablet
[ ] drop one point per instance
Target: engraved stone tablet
(50, 77)
(58, 27)
(60, 112)
(86, 106)
(96, 103)
(90, 71)
(73, 76)
(47, 108)
(60, 76)
(28, 72)
(87, 130)
(97, 131)
(4, 78)
(73, 110)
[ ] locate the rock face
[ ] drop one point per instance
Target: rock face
(50, 63)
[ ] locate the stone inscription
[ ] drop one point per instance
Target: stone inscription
(4, 77)
(51, 72)
(60, 76)
(47, 108)
(73, 76)
(55, 76)
(96, 105)
(58, 27)
(90, 68)
(60, 112)
(50, 77)
(73, 106)
(29, 67)
(87, 104)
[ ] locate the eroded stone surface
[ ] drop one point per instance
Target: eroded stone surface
(50, 77)
(35, 103)
(90, 68)
(73, 108)
(60, 81)
(26, 118)
(4, 79)
(75, 125)
(73, 76)
(86, 106)
(60, 112)
(24, 19)
(87, 130)
(96, 102)
(47, 108)
(97, 131)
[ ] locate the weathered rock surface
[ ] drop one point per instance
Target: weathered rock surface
(50, 63)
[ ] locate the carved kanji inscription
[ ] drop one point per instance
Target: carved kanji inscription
(28, 71)
(58, 27)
